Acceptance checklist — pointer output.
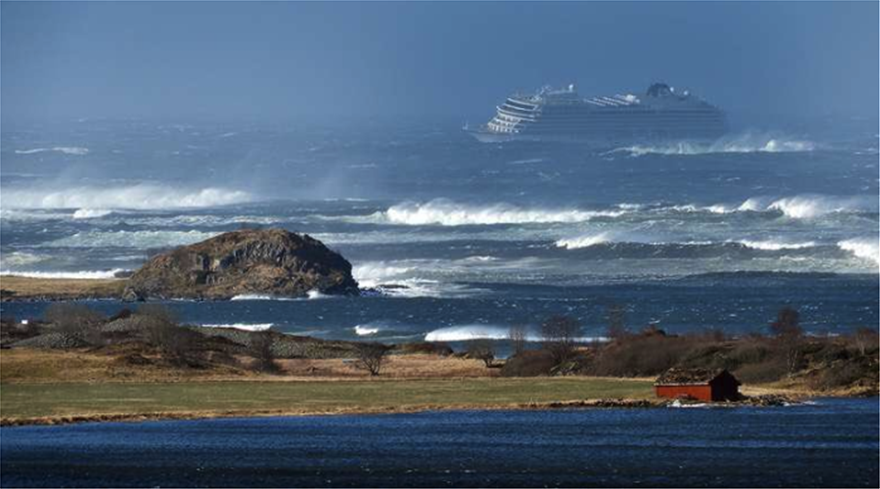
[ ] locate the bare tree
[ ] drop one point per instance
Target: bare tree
(77, 323)
(517, 336)
(616, 322)
(863, 338)
(371, 356)
(482, 350)
(789, 336)
(560, 333)
(261, 350)
(161, 330)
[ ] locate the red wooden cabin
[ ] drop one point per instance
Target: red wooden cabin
(698, 383)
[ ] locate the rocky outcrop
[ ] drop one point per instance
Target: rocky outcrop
(266, 261)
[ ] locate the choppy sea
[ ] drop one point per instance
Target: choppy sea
(459, 239)
(827, 443)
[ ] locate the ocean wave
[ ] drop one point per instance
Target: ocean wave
(743, 144)
(242, 326)
(467, 332)
(68, 150)
(796, 207)
(371, 274)
(130, 239)
(770, 245)
(259, 297)
(20, 258)
(864, 248)
(365, 330)
(584, 241)
(447, 213)
(90, 274)
(139, 196)
(91, 213)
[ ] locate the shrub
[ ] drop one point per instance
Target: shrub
(370, 357)
(481, 350)
(560, 334)
(529, 363)
(76, 322)
(261, 350)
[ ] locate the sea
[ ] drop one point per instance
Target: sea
(825, 443)
(452, 239)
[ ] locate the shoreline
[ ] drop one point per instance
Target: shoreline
(614, 403)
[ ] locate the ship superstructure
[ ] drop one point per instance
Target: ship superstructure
(554, 115)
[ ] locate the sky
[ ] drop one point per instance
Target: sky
(300, 60)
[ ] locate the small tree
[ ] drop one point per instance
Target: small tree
(517, 336)
(789, 336)
(482, 350)
(162, 331)
(863, 338)
(370, 357)
(261, 350)
(77, 323)
(560, 333)
(616, 322)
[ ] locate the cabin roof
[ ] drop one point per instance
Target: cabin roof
(690, 376)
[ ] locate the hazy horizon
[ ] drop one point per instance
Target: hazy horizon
(304, 61)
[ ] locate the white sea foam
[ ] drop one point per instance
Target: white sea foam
(584, 241)
(467, 332)
(68, 150)
(257, 297)
(447, 213)
(242, 326)
(139, 196)
(371, 274)
(20, 258)
(747, 143)
(130, 239)
(317, 294)
(365, 330)
(90, 274)
(770, 245)
(810, 206)
(864, 248)
(91, 213)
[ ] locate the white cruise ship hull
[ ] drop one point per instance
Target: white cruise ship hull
(561, 116)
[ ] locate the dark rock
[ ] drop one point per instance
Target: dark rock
(272, 261)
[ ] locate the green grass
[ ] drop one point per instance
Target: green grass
(73, 399)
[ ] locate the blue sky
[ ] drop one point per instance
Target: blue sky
(301, 60)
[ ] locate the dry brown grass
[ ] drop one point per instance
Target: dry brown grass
(26, 365)
(59, 289)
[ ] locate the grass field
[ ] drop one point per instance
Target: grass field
(58, 289)
(256, 397)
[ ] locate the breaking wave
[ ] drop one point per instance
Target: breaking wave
(742, 144)
(91, 213)
(865, 248)
(99, 274)
(447, 213)
(242, 326)
(469, 332)
(583, 241)
(770, 245)
(795, 207)
(140, 196)
(130, 239)
(19, 258)
(372, 274)
(365, 330)
(259, 297)
(68, 150)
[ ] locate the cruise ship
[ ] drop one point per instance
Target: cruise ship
(660, 114)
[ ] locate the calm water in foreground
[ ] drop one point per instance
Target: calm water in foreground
(829, 443)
